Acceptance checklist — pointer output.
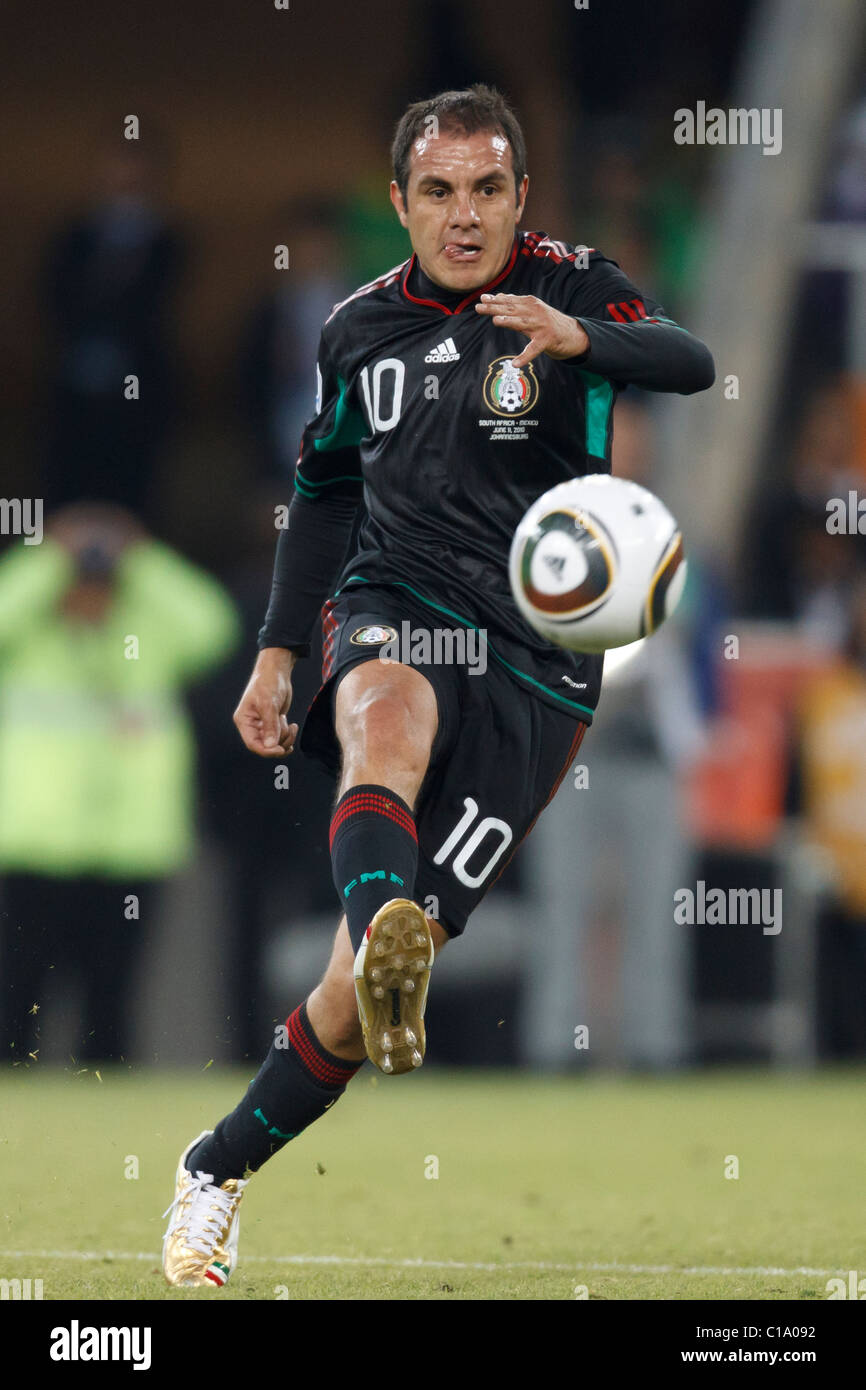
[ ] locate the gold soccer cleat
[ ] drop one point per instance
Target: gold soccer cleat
(392, 975)
(201, 1243)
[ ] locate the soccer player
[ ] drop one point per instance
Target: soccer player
(452, 392)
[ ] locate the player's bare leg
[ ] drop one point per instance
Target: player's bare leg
(332, 1007)
(386, 721)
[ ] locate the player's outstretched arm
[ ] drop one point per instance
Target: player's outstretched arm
(649, 350)
(261, 716)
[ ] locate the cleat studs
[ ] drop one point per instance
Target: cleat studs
(397, 962)
(418, 966)
(378, 992)
(411, 1039)
(420, 939)
(387, 1064)
(387, 1044)
(409, 986)
(375, 974)
(417, 1059)
(379, 949)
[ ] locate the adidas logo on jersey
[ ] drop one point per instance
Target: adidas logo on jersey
(444, 352)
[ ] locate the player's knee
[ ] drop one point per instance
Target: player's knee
(390, 722)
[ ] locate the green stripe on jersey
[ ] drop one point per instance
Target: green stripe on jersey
(350, 426)
(308, 488)
(599, 403)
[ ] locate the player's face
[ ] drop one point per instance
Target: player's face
(461, 207)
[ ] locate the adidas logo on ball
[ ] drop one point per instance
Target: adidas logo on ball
(556, 563)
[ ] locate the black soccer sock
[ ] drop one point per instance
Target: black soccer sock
(298, 1081)
(374, 854)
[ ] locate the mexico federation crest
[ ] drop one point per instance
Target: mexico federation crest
(373, 636)
(510, 390)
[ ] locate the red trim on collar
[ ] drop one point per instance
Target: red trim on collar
(434, 303)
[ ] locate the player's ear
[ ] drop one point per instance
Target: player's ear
(399, 205)
(521, 197)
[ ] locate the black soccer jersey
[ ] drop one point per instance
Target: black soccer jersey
(421, 414)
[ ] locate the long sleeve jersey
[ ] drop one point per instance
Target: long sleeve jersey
(422, 420)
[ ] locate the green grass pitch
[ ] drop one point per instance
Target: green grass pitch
(545, 1186)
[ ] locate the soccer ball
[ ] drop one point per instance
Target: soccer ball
(597, 562)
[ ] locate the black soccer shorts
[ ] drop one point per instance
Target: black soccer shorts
(498, 757)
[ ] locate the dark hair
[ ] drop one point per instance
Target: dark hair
(476, 108)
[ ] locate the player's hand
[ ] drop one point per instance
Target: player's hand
(546, 328)
(260, 717)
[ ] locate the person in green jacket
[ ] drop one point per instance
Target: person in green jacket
(101, 628)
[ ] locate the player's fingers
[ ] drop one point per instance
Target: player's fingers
(496, 303)
(532, 349)
(259, 727)
(257, 742)
(253, 741)
(288, 734)
(521, 323)
(266, 713)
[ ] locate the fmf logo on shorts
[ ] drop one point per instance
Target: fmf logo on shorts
(422, 646)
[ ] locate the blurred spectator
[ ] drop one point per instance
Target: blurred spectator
(374, 238)
(802, 572)
(833, 802)
(101, 628)
(846, 195)
(617, 203)
(823, 325)
(281, 341)
(110, 281)
(639, 210)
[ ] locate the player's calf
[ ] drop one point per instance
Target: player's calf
(386, 722)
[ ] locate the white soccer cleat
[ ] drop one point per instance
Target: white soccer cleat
(201, 1243)
(392, 975)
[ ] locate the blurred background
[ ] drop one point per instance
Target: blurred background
(163, 896)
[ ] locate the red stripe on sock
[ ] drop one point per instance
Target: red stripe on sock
(371, 803)
(329, 1073)
(372, 807)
